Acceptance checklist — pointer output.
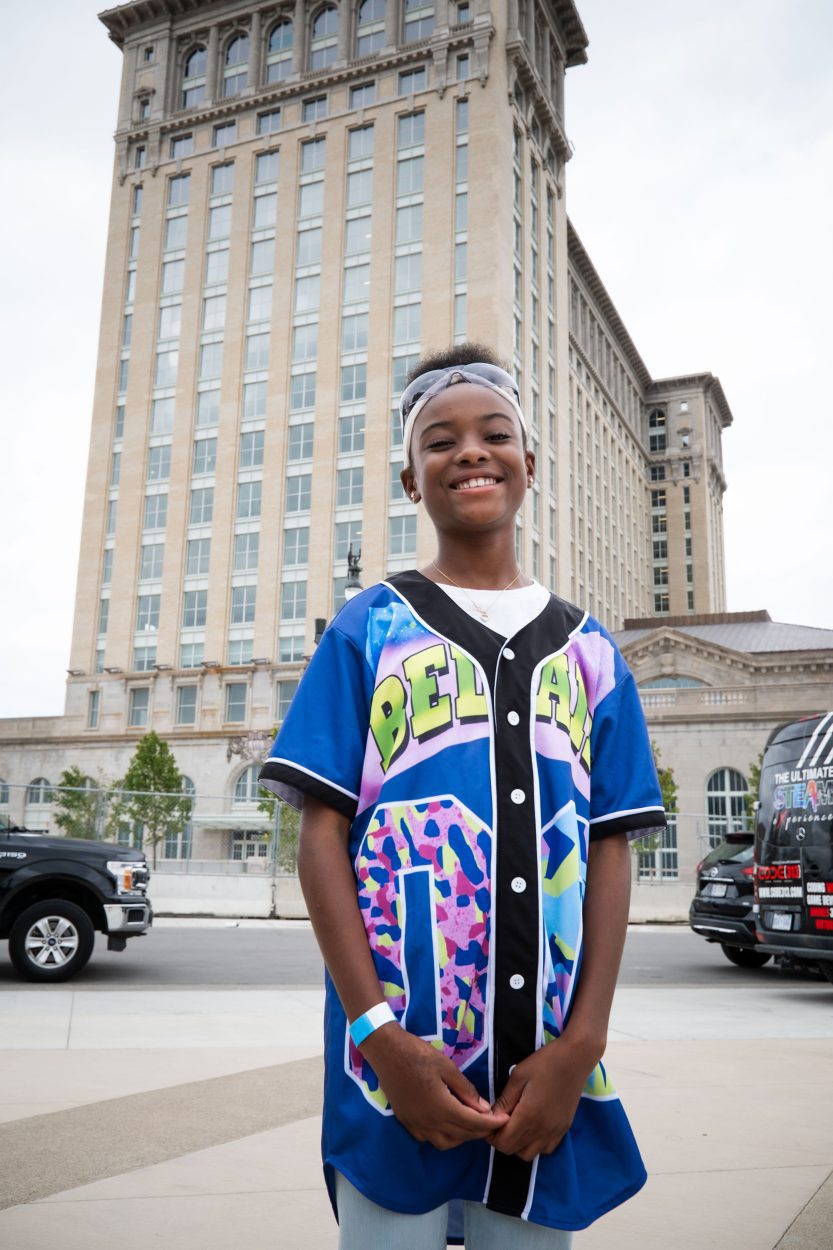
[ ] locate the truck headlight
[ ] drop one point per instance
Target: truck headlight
(122, 870)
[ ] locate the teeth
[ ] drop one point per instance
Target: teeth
(476, 481)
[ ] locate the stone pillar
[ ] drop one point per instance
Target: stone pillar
(343, 51)
(512, 19)
(255, 52)
(529, 33)
(299, 38)
(440, 14)
(393, 23)
(211, 67)
(545, 62)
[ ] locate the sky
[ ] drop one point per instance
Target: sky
(701, 185)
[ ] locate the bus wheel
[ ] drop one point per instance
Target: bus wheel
(744, 957)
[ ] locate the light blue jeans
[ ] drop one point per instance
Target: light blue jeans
(365, 1226)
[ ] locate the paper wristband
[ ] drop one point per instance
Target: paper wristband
(372, 1020)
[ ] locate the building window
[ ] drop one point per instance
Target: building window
(663, 863)
(279, 51)
(159, 463)
(246, 551)
(293, 601)
(152, 558)
(194, 609)
(107, 567)
(197, 556)
(402, 536)
(190, 654)
(296, 546)
(315, 108)
(103, 615)
(139, 705)
(181, 145)
(348, 534)
(726, 792)
(353, 383)
(193, 78)
(463, 67)
(205, 456)
(413, 80)
(139, 157)
(147, 613)
(324, 41)
(236, 70)
(93, 701)
(349, 487)
(243, 604)
(179, 191)
(211, 360)
(247, 787)
(269, 123)
(656, 430)
(208, 407)
(240, 651)
(370, 27)
(302, 394)
(266, 168)
(299, 492)
(419, 20)
(38, 792)
(219, 222)
(236, 702)
(351, 434)
(156, 512)
(202, 506)
(249, 500)
(300, 441)
(186, 705)
(224, 134)
(286, 693)
(362, 95)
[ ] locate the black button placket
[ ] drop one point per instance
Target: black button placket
(516, 902)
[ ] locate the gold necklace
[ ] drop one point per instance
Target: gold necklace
(483, 613)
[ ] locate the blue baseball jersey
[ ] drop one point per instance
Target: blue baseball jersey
(475, 771)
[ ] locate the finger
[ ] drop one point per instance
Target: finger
(475, 1123)
(510, 1094)
(462, 1087)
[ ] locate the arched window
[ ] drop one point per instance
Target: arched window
(726, 791)
(279, 51)
(419, 20)
(188, 786)
(39, 791)
(4, 792)
(193, 77)
(370, 27)
(656, 430)
(236, 71)
(247, 788)
(323, 47)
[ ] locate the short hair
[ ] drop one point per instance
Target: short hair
(462, 354)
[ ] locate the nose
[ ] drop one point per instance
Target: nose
(470, 451)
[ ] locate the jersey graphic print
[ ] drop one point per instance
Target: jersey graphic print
(423, 871)
(475, 773)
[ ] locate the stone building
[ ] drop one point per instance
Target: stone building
(307, 196)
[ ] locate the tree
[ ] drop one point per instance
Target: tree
(753, 794)
(668, 790)
(287, 825)
(78, 803)
(150, 793)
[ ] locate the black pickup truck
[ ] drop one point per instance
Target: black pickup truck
(56, 892)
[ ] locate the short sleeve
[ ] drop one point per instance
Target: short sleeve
(624, 791)
(320, 747)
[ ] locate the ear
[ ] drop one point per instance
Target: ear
(409, 485)
(529, 457)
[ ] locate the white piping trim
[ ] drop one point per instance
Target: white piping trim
(630, 811)
(278, 759)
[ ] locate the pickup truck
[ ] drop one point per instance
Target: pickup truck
(55, 893)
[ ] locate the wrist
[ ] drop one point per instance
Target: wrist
(588, 1045)
(370, 1021)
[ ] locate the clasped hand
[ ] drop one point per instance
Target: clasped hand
(436, 1103)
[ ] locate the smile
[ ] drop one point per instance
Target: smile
(474, 483)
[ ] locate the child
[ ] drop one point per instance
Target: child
(471, 757)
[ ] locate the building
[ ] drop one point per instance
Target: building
(306, 196)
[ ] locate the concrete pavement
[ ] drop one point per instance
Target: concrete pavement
(190, 1119)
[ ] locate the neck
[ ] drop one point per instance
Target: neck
(489, 565)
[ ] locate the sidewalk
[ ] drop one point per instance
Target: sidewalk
(190, 1119)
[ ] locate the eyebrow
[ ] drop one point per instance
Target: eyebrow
(486, 416)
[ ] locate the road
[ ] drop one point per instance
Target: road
(227, 955)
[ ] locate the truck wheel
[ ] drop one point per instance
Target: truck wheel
(744, 957)
(51, 941)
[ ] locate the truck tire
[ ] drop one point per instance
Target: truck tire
(744, 957)
(51, 940)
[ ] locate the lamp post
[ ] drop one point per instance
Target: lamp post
(353, 585)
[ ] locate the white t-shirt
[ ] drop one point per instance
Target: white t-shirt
(508, 612)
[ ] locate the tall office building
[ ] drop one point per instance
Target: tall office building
(306, 197)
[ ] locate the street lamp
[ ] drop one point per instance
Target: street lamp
(353, 586)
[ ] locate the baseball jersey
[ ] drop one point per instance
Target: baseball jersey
(475, 770)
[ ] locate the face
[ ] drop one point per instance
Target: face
(468, 462)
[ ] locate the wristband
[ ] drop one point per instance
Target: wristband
(372, 1020)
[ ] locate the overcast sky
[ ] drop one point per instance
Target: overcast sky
(701, 186)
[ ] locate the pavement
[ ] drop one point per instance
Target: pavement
(189, 1119)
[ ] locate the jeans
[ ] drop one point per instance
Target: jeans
(365, 1226)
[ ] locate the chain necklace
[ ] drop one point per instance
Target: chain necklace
(483, 613)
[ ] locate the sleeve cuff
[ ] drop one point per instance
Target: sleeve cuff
(291, 784)
(635, 824)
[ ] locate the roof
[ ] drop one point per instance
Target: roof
(751, 632)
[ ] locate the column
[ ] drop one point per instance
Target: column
(546, 64)
(211, 66)
(512, 19)
(529, 33)
(343, 31)
(392, 23)
(255, 52)
(299, 39)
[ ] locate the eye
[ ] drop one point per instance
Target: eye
(501, 436)
(438, 443)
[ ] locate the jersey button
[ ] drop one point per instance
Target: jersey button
(517, 796)
(513, 718)
(516, 981)
(518, 885)
(508, 653)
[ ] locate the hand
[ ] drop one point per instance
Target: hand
(541, 1097)
(429, 1095)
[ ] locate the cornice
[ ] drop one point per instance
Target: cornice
(706, 382)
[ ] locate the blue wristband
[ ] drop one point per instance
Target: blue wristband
(372, 1020)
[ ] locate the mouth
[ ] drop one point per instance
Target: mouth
(476, 483)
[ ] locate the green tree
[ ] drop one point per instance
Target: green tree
(753, 794)
(78, 803)
(150, 793)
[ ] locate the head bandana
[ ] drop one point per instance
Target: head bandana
(450, 377)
